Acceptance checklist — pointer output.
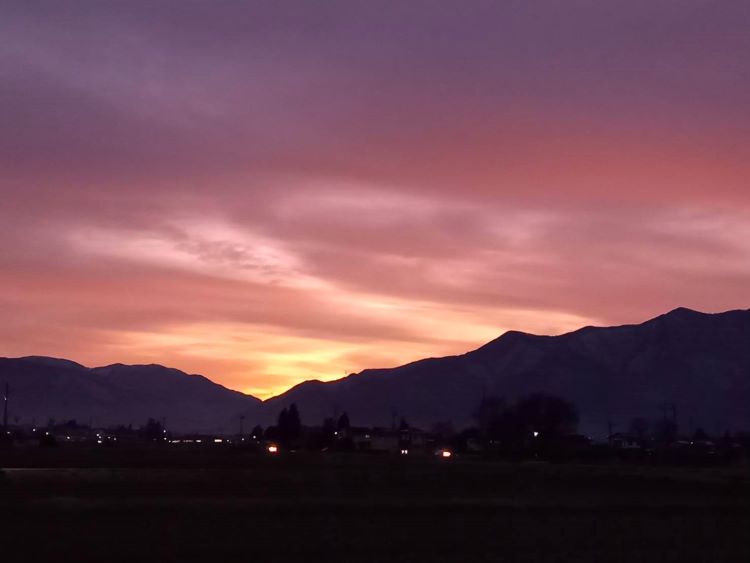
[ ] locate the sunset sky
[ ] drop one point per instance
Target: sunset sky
(268, 192)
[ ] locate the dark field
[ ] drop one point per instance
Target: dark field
(213, 504)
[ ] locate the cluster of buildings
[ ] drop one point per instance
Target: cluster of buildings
(402, 442)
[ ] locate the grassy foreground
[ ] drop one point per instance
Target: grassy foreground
(217, 506)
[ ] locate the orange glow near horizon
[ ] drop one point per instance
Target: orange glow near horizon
(288, 205)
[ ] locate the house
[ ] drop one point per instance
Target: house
(623, 441)
(405, 442)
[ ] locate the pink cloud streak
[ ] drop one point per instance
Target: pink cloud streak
(268, 194)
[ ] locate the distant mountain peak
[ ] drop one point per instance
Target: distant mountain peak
(54, 362)
(510, 338)
(685, 312)
(516, 334)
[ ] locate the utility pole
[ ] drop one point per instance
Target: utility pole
(5, 407)
(242, 425)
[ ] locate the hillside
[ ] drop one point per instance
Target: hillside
(44, 388)
(700, 363)
(695, 362)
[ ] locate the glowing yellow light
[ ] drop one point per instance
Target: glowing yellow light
(404, 452)
(446, 453)
(273, 449)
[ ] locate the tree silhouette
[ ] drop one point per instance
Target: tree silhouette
(665, 431)
(283, 420)
(295, 424)
(343, 423)
(487, 413)
(289, 426)
(639, 428)
(328, 433)
(538, 421)
(548, 415)
(152, 430)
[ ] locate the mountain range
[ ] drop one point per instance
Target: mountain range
(690, 365)
(48, 388)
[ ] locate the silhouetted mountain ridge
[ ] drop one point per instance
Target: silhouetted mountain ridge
(43, 388)
(698, 362)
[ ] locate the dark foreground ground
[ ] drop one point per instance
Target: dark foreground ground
(227, 506)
